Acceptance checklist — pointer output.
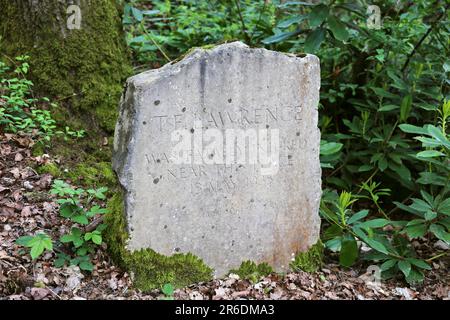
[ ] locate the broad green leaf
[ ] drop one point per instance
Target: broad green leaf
(420, 205)
(82, 251)
(430, 215)
(81, 219)
(388, 264)
(36, 250)
(280, 37)
(86, 266)
(97, 239)
(67, 210)
(290, 21)
(409, 128)
(327, 148)
(405, 108)
(349, 251)
(419, 263)
(96, 210)
(314, 39)
(404, 267)
(334, 244)
(66, 238)
(332, 232)
(444, 207)
(24, 241)
(376, 245)
(438, 135)
(358, 216)
(431, 178)
(375, 223)
(430, 154)
(318, 15)
(137, 14)
(388, 107)
(380, 92)
(338, 28)
(440, 233)
(416, 228)
(415, 276)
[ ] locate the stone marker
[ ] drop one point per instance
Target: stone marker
(218, 155)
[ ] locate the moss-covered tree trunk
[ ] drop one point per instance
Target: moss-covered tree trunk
(77, 53)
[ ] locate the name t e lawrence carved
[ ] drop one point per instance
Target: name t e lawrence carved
(220, 119)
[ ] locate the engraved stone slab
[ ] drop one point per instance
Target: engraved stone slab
(218, 155)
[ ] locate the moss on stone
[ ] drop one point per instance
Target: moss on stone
(309, 261)
(252, 271)
(151, 270)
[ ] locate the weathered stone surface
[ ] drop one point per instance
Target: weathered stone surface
(218, 205)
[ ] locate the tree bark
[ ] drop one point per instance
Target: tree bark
(83, 66)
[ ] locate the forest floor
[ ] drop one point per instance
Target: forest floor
(26, 206)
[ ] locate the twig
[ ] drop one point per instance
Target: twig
(155, 43)
(94, 224)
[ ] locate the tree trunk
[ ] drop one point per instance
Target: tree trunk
(77, 54)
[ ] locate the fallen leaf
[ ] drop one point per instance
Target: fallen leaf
(18, 157)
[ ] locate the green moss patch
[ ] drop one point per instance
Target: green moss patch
(252, 271)
(151, 270)
(309, 261)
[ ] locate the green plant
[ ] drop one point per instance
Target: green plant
(78, 205)
(37, 244)
(20, 111)
(432, 210)
(348, 229)
(378, 85)
(170, 28)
